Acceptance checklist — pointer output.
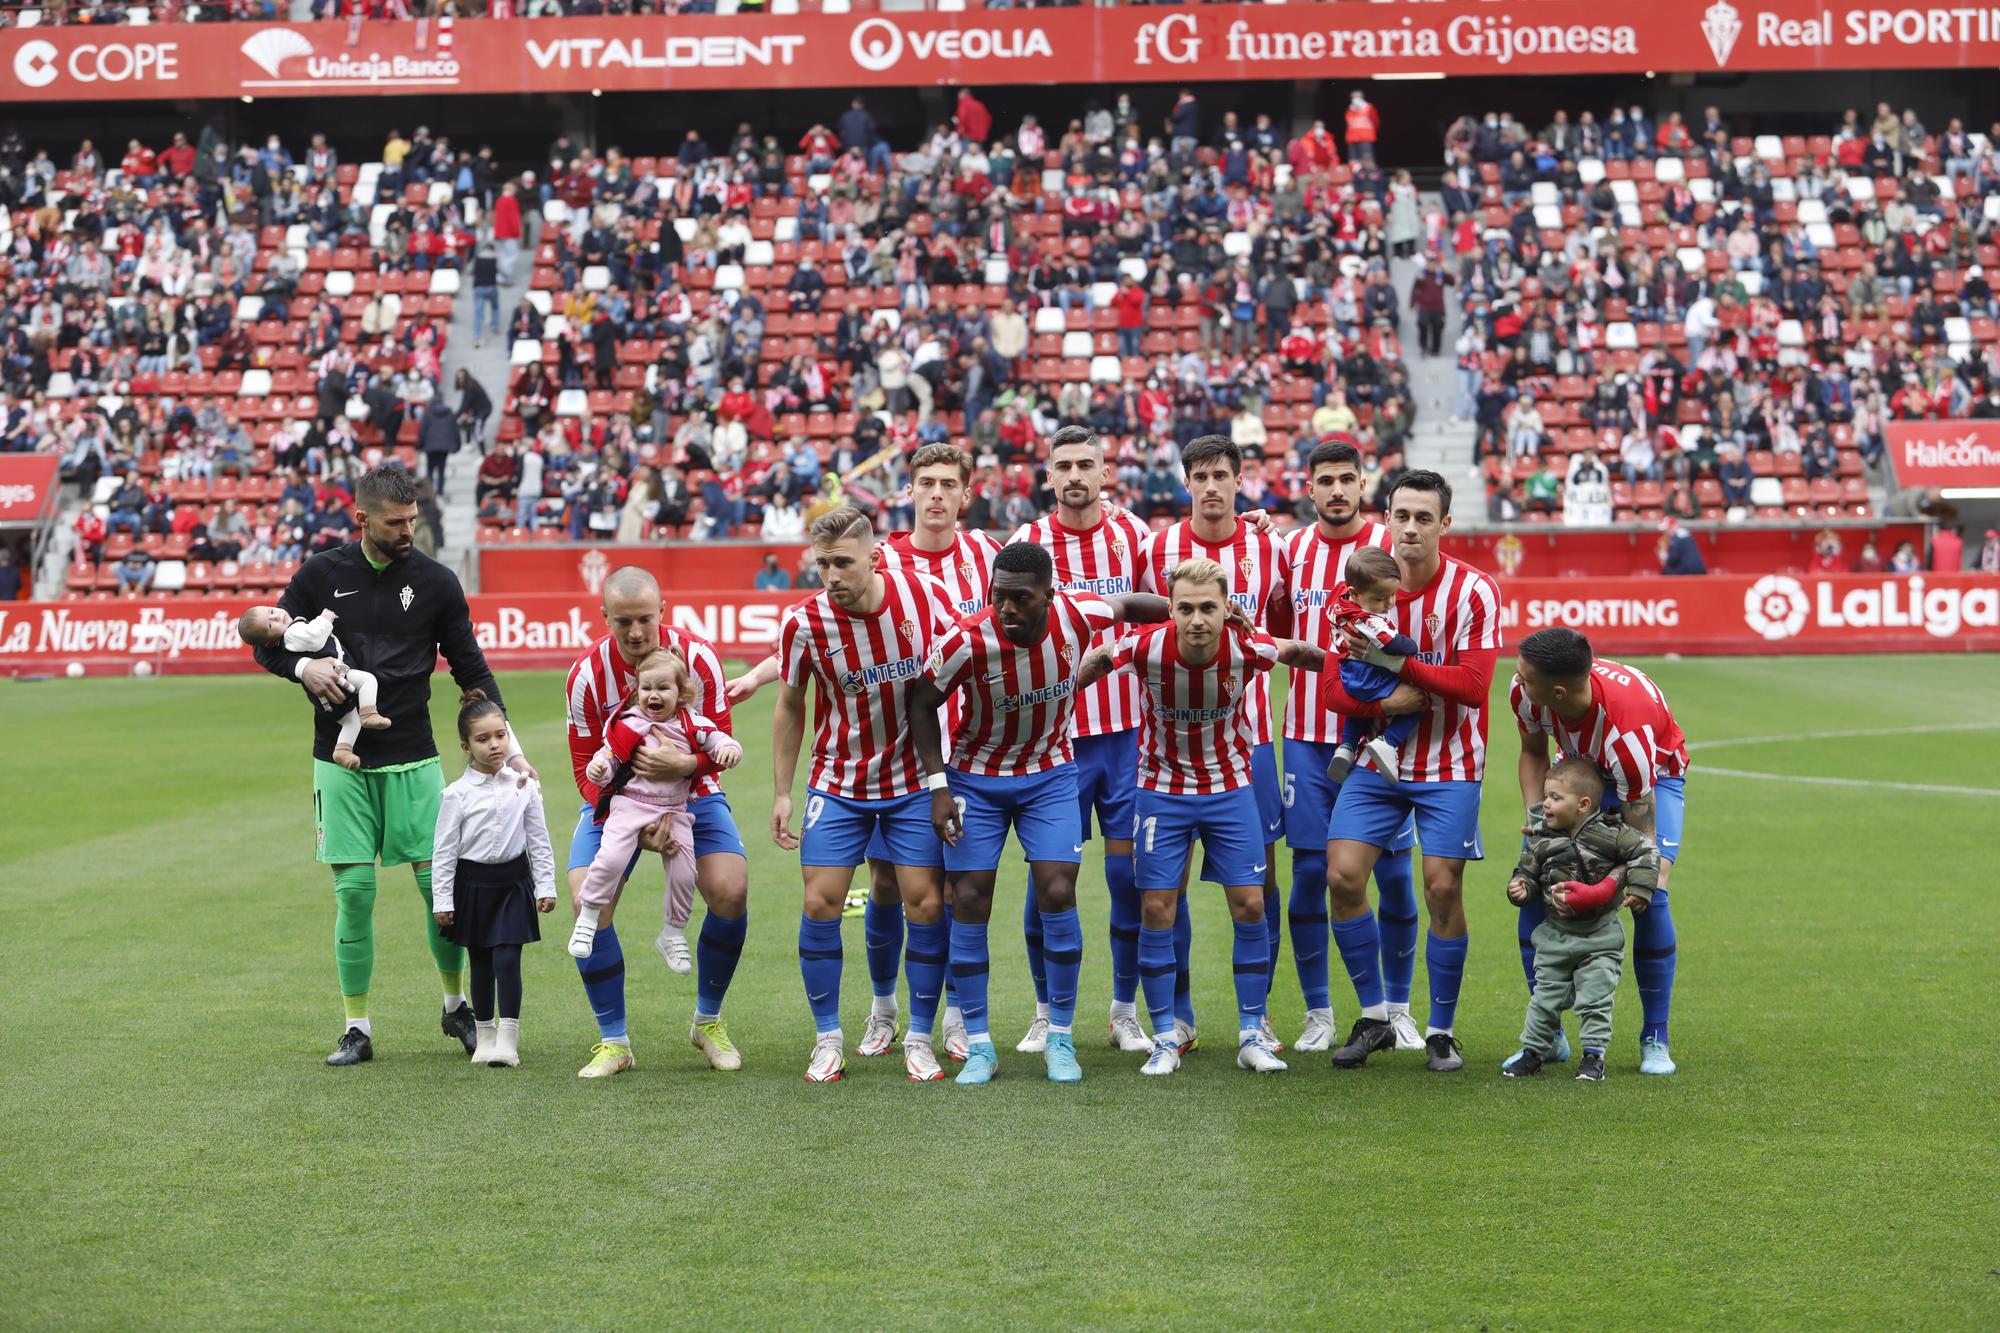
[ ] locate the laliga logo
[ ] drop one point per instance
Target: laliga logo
(35, 64)
(1172, 40)
(1775, 607)
(876, 44)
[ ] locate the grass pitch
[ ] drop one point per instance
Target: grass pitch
(175, 1154)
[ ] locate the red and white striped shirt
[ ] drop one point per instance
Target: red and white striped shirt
(600, 680)
(1629, 731)
(865, 666)
(1255, 565)
(1018, 699)
(1099, 561)
(1195, 735)
(1450, 618)
(1314, 568)
(965, 568)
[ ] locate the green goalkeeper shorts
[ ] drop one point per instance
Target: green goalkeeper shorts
(377, 814)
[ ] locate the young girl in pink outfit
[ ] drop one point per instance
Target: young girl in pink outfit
(652, 716)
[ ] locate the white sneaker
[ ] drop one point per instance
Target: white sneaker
(827, 1063)
(1269, 1035)
(878, 1036)
(506, 1053)
(1037, 1039)
(1126, 1035)
(956, 1043)
(1408, 1038)
(672, 946)
(1186, 1040)
(920, 1062)
(583, 938)
(1165, 1059)
(1252, 1054)
(482, 1049)
(1318, 1033)
(1387, 761)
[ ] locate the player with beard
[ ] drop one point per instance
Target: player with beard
(399, 611)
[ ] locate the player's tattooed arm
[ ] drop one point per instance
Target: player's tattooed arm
(1299, 653)
(1138, 608)
(1096, 666)
(1532, 770)
(1639, 814)
(925, 698)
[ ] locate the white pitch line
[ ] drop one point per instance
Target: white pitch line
(1928, 788)
(1840, 735)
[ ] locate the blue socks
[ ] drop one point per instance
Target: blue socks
(969, 967)
(1274, 929)
(1360, 945)
(1119, 877)
(1310, 931)
(882, 932)
(716, 951)
(1533, 913)
(603, 976)
(1251, 961)
(924, 963)
(1444, 961)
(819, 966)
(1031, 931)
(1183, 952)
(1157, 970)
(1396, 918)
(1653, 958)
(1062, 954)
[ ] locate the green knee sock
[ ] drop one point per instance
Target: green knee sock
(354, 935)
(449, 957)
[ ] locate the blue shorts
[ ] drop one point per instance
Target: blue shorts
(1270, 793)
(838, 831)
(714, 831)
(1041, 808)
(1107, 776)
(1373, 810)
(1310, 795)
(1669, 814)
(1232, 839)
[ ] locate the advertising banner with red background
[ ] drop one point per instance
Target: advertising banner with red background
(1126, 44)
(28, 485)
(1774, 613)
(1531, 552)
(1948, 455)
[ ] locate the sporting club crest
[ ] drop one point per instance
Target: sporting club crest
(908, 629)
(1509, 551)
(408, 595)
(1721, 25)
(1433, 623)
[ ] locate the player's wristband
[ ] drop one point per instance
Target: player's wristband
(937, 781)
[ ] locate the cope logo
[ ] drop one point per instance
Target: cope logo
(1775, 607)
(35, 64)
(39, 63)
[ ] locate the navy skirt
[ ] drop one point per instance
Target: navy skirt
(495, 904)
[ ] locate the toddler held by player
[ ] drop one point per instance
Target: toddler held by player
(272, 626)
(492, 870)
(1576, 855)
(653, 715)
(1372, 581)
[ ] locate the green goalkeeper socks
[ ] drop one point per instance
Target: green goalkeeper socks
(450, 958)
(354, 934)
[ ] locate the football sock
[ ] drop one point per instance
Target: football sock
(354, 933)
(1156, 976)
(1274, 931)
(1031, 931)
(1062, 954)
(1653, 956)
(1533, 913)
(819, 966)
(1444, 963)
(1183, 953)
(1396, 920)
(480, 963)
(450, 958)
(1118, 875)
(507, 980)
(924, 963)
(1251, 961)
(1360, 945)
(716, 952)
(1310, 931)
(603, 973)
(969, 967)
(882, 933)
(950, 988)
(355, 1009)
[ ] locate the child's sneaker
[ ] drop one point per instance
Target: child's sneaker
(344, 756)
(672, 946)
(1341, 764)
(371, 720)
(583, 938)
(506, 1053)
(1590, 1069)
(482, 1046)
(1387, 761)
(1524, 1063)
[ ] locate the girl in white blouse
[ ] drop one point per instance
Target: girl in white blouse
(492, 857)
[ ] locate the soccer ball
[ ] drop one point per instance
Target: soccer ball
(142, 669)
(73, 670)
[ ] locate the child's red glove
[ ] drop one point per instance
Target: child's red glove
(1581, 897)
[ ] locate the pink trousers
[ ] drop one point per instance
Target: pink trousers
(622, 826)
